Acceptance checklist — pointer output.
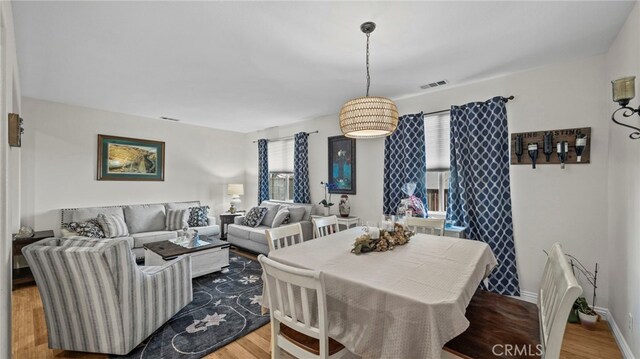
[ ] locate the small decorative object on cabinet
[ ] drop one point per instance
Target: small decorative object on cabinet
(25, 232)
(411, 206)
(344, 206)
(15, 130)
(130, 159)
(23, 275)
(624, 90)
(326, 202)
(577, 146)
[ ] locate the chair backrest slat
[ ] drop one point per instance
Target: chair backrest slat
(433, 226)
(285, 236)
(324, 226)
(298, 283)
(292, 303)
(558, 290)
(306, 315)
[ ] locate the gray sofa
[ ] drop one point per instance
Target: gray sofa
(145, 222)
(255, 239)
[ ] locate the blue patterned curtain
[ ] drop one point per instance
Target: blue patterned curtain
(479, 185)
(263, 171)
(301, 169)
(404, 161)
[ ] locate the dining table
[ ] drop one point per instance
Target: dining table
(407, 302)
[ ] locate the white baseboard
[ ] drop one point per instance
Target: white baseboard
(605, 314)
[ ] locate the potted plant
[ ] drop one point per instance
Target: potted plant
(587, 315)
(326, 203)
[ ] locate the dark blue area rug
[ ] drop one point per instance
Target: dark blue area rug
(225, 307)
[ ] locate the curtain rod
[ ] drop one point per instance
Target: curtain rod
(505, 99)
(287, 137)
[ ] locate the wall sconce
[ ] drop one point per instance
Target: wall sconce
(624, 90)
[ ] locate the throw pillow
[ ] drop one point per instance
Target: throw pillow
(198, 216)
(91, 228)
(272, 210)
(254, 216)
(112, 225)
(280, 218)
(297, 213)
(177, 219)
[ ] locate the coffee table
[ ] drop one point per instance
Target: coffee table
(208, 255)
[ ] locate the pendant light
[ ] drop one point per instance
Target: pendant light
(369, 116)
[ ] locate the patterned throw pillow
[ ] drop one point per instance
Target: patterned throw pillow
(198, 216)
(113, 226)
(177, 219)
(90, 228)
(282, 217)
(254, 216)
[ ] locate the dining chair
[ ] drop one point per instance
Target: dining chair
(523, 324)
(285, 236)
(433, 226)
(292, 292)
(325, 226)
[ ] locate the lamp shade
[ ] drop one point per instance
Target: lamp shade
(368, 117)
(235, 189)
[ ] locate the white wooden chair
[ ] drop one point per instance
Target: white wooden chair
(285, 236)
(325, 226)
(433, 226)
(539, 329)
(289, 301)
(558, 290)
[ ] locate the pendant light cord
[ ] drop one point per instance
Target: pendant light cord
(368, 76)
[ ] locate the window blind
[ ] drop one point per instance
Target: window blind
(436, 130)
(281, 156)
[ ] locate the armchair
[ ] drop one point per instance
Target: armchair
(95, 297)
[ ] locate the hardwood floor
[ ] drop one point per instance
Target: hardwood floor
(30, 337)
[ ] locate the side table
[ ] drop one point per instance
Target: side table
(23, 275)
(347, 222)
(225, 219)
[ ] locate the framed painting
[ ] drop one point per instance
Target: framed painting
(342, 165)
(130, 159)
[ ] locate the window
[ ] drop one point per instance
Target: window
(281, 186)
(280, 155)
(436, 129)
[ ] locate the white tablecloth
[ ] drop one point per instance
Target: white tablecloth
(404, 303)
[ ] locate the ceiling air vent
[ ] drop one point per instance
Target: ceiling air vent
(434, 84)
(169, 119)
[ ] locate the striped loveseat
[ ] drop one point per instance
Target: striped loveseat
(95, 297)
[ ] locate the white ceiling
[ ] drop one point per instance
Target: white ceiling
(245, 66)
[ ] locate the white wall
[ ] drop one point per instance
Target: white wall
(623, 60)
(549, 204)
(9, 169)
(59, 162)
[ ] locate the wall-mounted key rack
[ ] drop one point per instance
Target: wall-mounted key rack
(557, 139)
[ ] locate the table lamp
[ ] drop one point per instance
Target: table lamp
(235, 190)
